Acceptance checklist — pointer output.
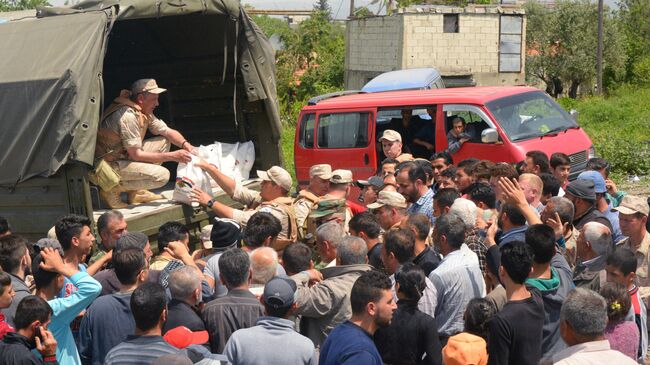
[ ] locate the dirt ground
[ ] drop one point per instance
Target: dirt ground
(641, 187)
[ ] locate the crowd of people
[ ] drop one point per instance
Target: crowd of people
(437, 262)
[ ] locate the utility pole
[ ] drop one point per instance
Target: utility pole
(599, 50)
(351, 8)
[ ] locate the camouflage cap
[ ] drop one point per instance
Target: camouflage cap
(146, 85)
(328, 206)
(341, 176)
(323, 171)
(390, 198)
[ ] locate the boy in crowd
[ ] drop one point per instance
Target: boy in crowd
(7, 294)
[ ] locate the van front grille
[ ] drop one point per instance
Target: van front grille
(578, 159)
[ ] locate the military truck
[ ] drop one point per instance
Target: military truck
(62, 66)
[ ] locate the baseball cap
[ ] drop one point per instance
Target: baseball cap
(279, 292)
(326, 207)
(146, 85)
(633, 204)
(375, 181)
(323, 171)
(278, 175)
(390, 198)
(181, 337)
(582, 189)
(391, 135)
(597, 178)
(341, 176)
(225, 234)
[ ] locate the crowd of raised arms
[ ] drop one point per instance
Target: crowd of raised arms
(435, 263)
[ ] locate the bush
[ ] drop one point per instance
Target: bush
(641, 71)
(618, 127)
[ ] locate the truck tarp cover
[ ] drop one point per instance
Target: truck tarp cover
(51, 78)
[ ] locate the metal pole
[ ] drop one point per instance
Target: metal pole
(351, 8)
(599, 50)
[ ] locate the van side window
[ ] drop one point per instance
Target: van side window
(343, 130)
(307, 130)
(475, 122)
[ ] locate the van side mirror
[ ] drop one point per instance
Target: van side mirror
(574, 114)
(489, 135)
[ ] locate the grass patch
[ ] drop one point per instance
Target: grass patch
(286, 139)
(619, 127)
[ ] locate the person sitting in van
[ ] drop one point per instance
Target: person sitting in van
(424, 141)
(391, 144)
(457, 136)
(121, 143)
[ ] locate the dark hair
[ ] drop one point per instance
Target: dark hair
(446, 197)
(624, 260)
(234, 267)
(277, 312)
(412, 281)
(31, 308)
(517, 259)
(4, 225)
(5, 280)
(107, 217)
(559, 159)
(468, 165)
(444, 155)
(413, 171)
(426, 167)
(128, 264)
(147, 304)
(540, 159)
(520, 167)
(481, 192)
(482, 169)
(514, 214)
(597, 164)
(296, 258)
(68, 227)
(453, 228)
(478, 313)
(389, 160)
(550, 184)
(12, 250)
(42, 278)
(170, 232)
(541, 240)
(421, 223)
(367, 223)
(618, 301)
(368, 288)
(449, 172)
(503, 169)
(401, 243)
(259, 227)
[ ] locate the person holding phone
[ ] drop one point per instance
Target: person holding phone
(33, 315)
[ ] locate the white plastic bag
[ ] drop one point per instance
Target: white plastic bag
(187, 178)
(245, 159)
(233, 159)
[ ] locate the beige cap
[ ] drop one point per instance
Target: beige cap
(206, 231)
(390, 198)
(391, 135)
(278, 175)
(341, 177)
(146, 85)
(323, 171)
(633, 204)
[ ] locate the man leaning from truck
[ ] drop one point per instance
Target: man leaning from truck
(272, 198)
(121, 143)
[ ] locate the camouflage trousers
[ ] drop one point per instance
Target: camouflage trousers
(143, 175)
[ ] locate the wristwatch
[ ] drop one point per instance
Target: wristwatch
(210, 203)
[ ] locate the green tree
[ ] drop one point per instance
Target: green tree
(13, 5)
(324, 7)
(562, 46)
(635, 20)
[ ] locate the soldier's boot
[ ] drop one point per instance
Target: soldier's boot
(112, 198)
(136, 197)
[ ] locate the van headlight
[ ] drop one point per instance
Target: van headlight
(591, 153)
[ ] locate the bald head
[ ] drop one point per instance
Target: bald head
(598, 236)
(264, 264)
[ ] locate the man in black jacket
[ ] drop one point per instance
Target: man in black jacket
(32, 317)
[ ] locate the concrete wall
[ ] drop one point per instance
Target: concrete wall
(371, 47)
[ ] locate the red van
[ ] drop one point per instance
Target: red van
(505, 123)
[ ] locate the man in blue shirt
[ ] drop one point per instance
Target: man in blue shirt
(351, 342)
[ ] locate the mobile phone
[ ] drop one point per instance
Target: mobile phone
(38, 333)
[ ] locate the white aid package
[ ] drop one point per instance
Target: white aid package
(233, 159)
(188, 177)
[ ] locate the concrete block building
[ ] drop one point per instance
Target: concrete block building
(484, 43)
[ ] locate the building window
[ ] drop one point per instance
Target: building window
(450, 23)
(510, 33)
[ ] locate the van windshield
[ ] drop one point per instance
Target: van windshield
(529, 115)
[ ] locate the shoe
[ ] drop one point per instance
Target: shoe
(112, 198)
(136, 197)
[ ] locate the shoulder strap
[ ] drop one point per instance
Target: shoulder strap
(285, 203)
(309, 196)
